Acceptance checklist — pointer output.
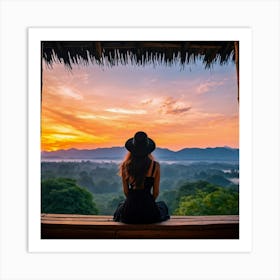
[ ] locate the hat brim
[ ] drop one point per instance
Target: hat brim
(142, 150)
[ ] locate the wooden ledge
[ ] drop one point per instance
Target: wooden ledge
(65, 226)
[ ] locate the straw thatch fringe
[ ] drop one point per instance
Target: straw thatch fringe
(139, 53)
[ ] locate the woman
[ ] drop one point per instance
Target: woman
(140, 178)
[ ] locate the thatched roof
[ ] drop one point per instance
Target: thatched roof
(140, 53)
(137, 52)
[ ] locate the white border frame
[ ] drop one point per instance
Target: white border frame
(243, 35)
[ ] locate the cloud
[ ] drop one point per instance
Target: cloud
(126, 111)
(177, 111)
(207, 86)
(94, 117)
(147, 101)
(172, 106)
(169, 101)
(66, 91)
(87, 116)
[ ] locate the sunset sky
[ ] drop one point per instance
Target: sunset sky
(92, 106)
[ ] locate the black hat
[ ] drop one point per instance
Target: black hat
(140, 145)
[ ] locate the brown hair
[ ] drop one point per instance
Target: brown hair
(135, 168)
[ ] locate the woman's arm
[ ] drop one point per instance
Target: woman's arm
(125, 186)
(156, 182)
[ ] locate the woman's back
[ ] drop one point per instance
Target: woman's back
(140, 177)
(149, 178)
(140, 206)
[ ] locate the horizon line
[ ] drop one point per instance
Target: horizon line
(226, 147)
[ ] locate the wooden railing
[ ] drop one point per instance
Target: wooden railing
(65, 226)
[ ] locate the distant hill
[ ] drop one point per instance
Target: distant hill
(118, 153)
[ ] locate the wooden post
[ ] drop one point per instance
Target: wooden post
(41, 69)
(99, 50)
(236, 54)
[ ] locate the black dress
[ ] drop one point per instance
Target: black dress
(140, 206)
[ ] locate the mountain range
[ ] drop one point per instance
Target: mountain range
(118, 153)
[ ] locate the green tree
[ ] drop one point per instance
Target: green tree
(169, 197)
(105, 186)
(63, 196)
(85, 180)
(190, 188)
(219, 202)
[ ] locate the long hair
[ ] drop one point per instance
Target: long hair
(135, 168)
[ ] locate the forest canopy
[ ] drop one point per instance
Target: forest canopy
(93, 188)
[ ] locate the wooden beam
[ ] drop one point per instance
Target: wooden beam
(64, 226)
(236, 54)
(133, 45)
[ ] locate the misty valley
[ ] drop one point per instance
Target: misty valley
(91, 187)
